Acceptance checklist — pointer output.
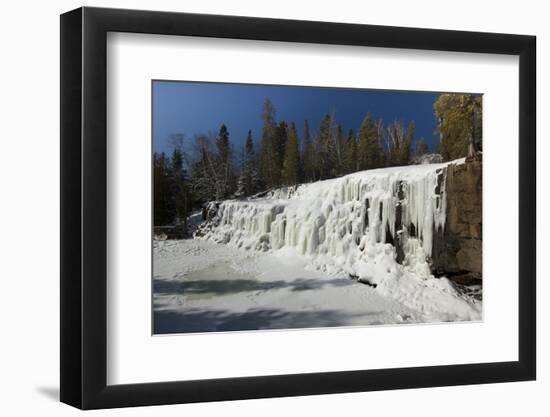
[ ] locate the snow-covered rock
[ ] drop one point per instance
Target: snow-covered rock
(428, 158)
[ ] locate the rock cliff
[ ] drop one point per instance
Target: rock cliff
(457, 250)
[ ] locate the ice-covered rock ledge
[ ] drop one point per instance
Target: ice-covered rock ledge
(376, 225)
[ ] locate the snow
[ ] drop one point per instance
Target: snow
(203, 286)
(429, 158)
(336, 216)
(327, 232)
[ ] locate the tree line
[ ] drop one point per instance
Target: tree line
(281, 158)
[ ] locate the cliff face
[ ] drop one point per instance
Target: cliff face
(458, 250)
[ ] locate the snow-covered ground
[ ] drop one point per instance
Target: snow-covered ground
(204, 286)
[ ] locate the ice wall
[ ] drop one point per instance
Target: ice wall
(343, 215)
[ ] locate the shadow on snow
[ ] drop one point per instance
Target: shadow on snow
(233, 286)
(200, 320)
(194, 320)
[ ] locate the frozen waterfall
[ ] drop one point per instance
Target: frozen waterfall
(339, 216)
(376, 225)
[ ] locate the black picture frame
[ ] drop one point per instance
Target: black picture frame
(84, 207)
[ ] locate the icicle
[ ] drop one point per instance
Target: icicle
(342, 215)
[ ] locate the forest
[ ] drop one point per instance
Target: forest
(215, 170)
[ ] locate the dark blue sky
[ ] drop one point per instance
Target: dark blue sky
(193, 107)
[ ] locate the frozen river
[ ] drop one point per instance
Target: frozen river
(201, 286)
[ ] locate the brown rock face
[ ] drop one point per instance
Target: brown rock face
(458, 250)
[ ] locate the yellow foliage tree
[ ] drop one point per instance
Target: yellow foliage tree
(459, 124)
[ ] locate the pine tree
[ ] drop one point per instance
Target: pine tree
(405, 151)
(292, 158)
(281, 137)
(340, 168)
(180, 190)
(268, 165)
(370, 151)
(248, 179)
(326, 149)
(224, 163)
(351, 153)
(308, 157)
(171, 189)
(164, 209)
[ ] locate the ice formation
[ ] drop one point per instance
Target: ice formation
(336, 217)
(376, 225)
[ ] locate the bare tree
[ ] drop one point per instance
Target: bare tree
(207, 178)
(398, 141)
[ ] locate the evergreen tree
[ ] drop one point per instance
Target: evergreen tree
(370, 151)
(326, 149)
(351, 153)
(340, 168)
(180, 190)
(224, 163)
(405, 151)
(308, 155)
(281, 137)
(164, 209)
(292, 158)
(248, 179)
(268, 165)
